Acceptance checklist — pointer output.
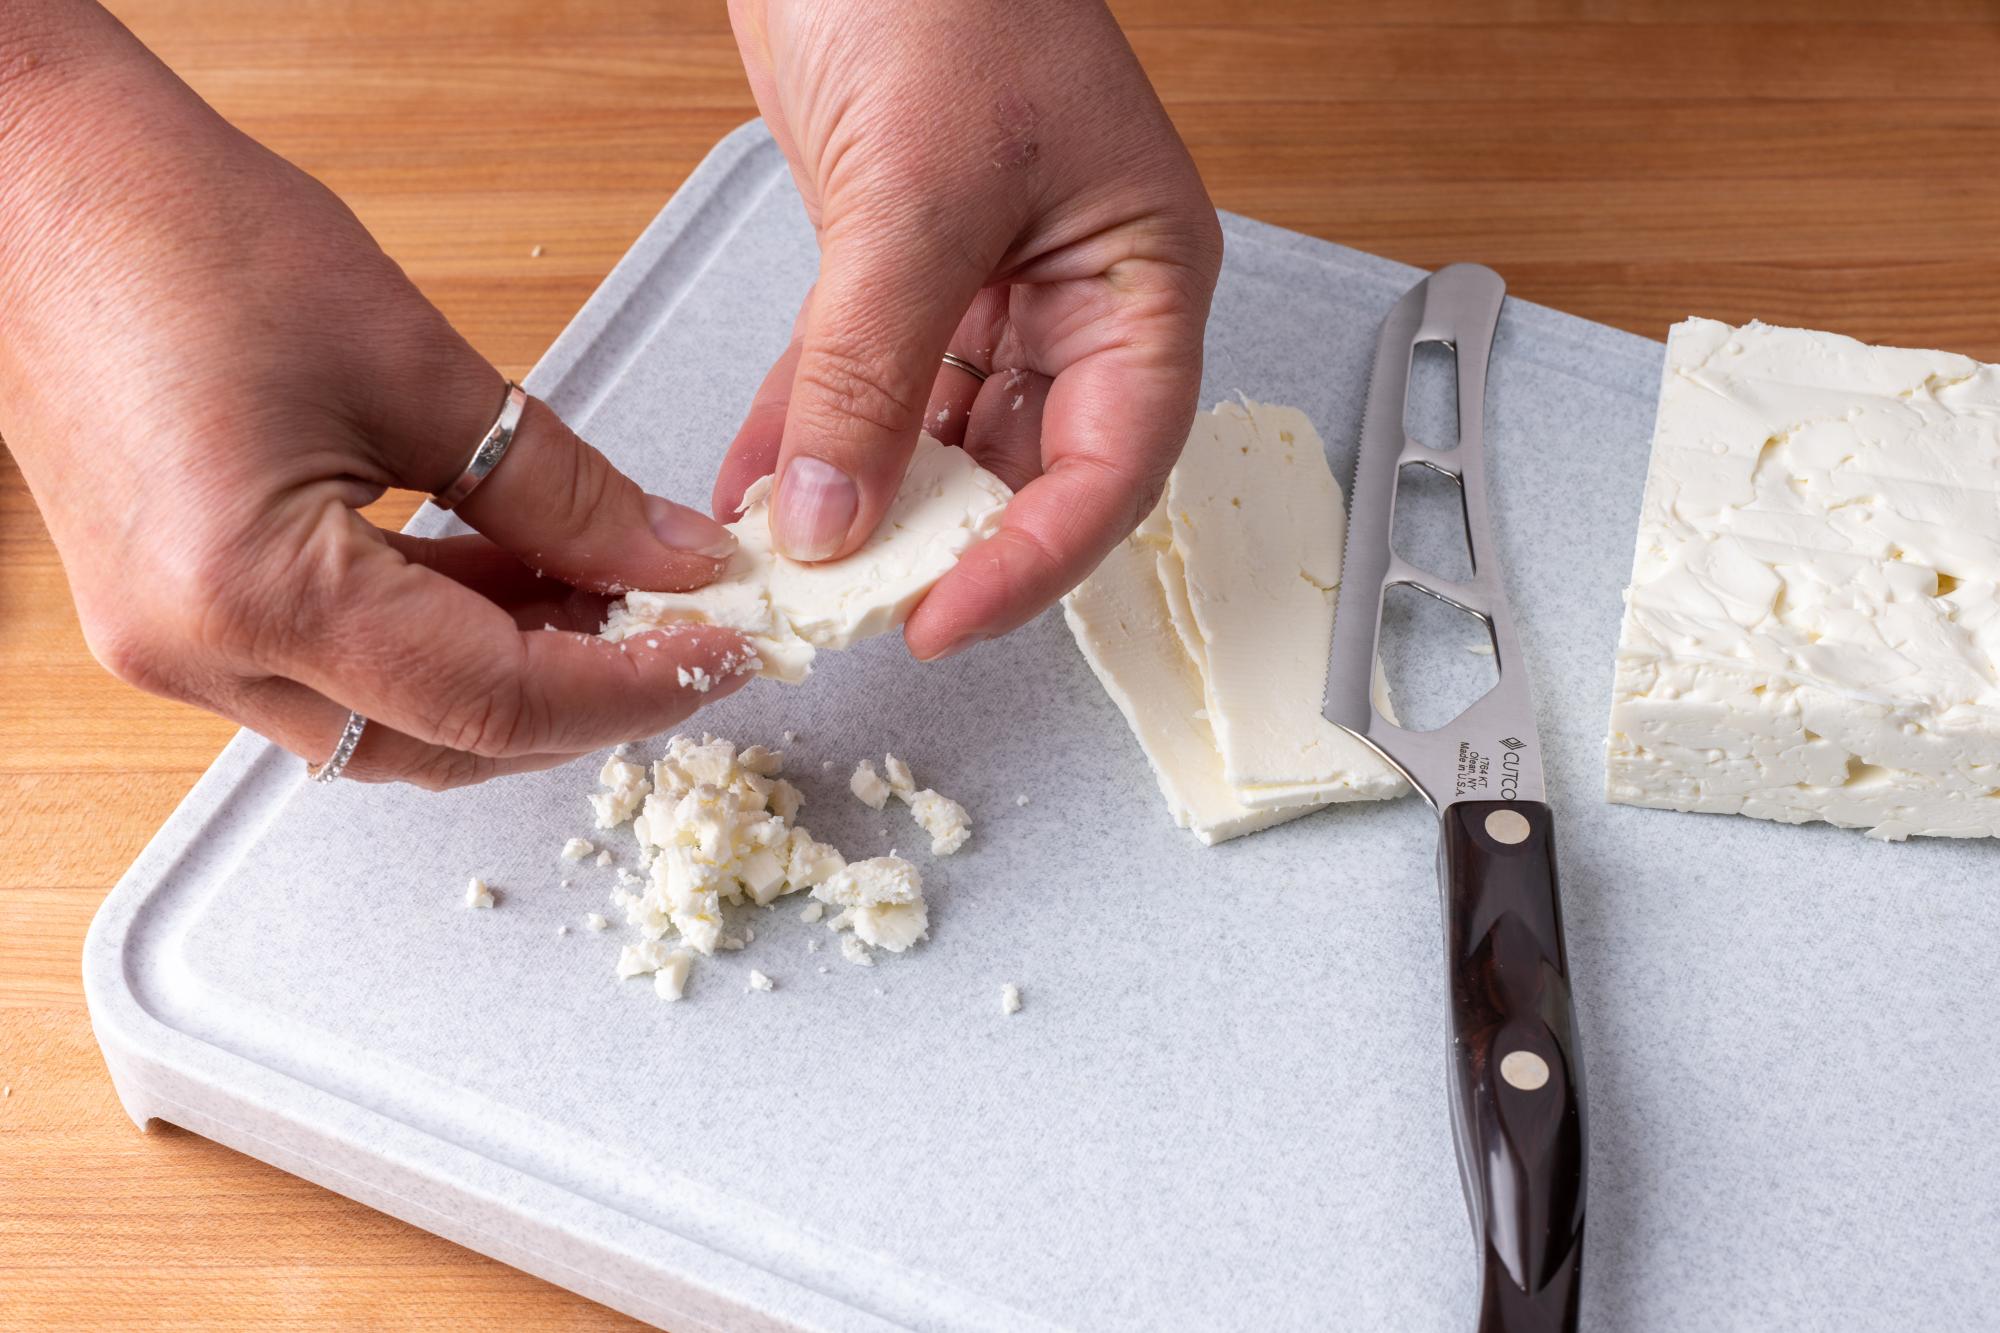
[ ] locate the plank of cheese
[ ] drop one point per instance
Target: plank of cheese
(1194, 626)
(789, 611)
(1258, 524)
(1812, 630)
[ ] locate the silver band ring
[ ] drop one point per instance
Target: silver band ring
(343, 750)
(491, 449)
(953, 359)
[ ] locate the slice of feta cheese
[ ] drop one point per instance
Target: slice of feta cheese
(1257, 522)
(578, 848)
(670, 981)
(789, 611)
(1010, 999)
(477, 894)
(943, 818)
(868, 786)
(1813, 623)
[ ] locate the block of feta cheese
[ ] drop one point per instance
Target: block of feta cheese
(1209, 627)
(789, 611)
(1812, 630)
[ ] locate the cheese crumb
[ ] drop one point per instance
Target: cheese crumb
(944, 819)
(882, 902)
(900, 780)
(812, 912)
(625, 787)
(535, 252)
(477, 894)
(854, 951)
(563, 929)
(595, 921)
(604, 858)
(670, 982)
(1022, 799)
(578, 848)
(867, 785)
(1010, 999)
(758, 981)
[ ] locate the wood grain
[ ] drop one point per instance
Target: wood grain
(1796, 160)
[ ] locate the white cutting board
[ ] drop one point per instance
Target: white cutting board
(1223, 1106)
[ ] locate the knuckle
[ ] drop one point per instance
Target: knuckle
(842, 385)
(446, 770)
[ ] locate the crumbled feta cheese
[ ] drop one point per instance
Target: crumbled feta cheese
(578, 848)
(1022, 799)
(785, 800)
(625, 787)
(563, 929)
(477, 894)
(867, 785)
(758, 981)
(944, 819)
(898, 773)
(637, 960)
(854, 951)
(1010, 999)
(882, 902)
(670, 981)
(595, 921)
(791, 736)
(604, 858)
(812, 912)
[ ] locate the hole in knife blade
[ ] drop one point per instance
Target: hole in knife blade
(1430, 405)
(1429, 523)
(1438, 659)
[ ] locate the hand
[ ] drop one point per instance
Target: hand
(994, 178)
(207, 366)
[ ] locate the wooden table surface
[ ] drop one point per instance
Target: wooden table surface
(1629, 162)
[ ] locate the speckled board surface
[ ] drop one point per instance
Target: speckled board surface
(1223, 1103)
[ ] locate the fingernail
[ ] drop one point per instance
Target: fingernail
(689, 530)
(816, 507)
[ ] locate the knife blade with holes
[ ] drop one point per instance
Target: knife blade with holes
(1516, 1076)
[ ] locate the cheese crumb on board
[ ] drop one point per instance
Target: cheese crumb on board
(578, 848)
(812, 912)
(1209, 628)
(943, 818)
(1010, 999)
(625, 786)
(789, 611)
(477, 894)
(1021, 800)
(1813, 620)
(868, 786)
(881, 901)
(854, 951)
(758, 981)
(901, 782)
(604, 858)
(595, 921)
(670, 982)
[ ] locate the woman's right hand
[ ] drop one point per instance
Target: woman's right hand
(207, 366)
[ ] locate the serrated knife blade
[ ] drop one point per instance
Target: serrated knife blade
(1516, 1072)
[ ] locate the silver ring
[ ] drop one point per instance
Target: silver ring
(491, 449)
(343, 750)
(953, 359)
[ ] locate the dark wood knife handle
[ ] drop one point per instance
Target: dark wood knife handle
(1516, 1075)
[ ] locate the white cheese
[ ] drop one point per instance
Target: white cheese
(1010, 999)
(1209, 628)
(854, 951)
(812, 912)
(625, 786)
(577, 848)
(882, 902)
(788, 611)
(1812, 630)
(943, 818)
(594, 921)
(1258, 524)
(670, 982)
(477, 894)
(758, 981)
(901, 781)
(868, 786)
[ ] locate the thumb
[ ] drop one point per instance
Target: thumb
(564, 510)
(891, 290)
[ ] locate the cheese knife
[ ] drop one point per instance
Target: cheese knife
(1515, 1074)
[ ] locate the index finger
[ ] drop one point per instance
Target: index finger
(1113, 425)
